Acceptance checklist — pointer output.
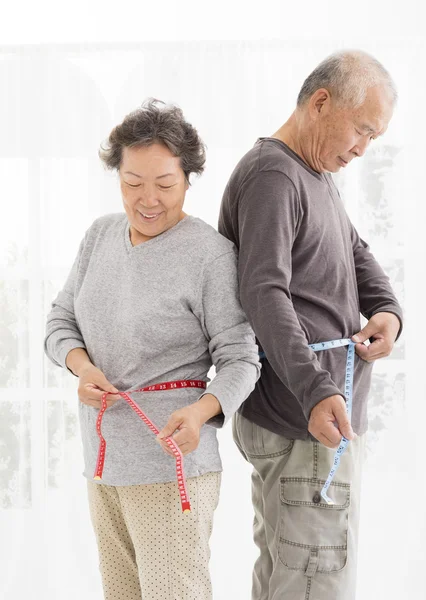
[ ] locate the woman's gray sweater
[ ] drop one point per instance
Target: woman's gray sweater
(163, 310)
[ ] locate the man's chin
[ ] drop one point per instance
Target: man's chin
(330, 166)
(333, 168)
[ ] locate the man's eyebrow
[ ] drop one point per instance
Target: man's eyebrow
(140, 176)
(368, 128)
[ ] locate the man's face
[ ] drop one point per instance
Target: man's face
(342, 134)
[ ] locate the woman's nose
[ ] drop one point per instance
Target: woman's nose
(148, 199)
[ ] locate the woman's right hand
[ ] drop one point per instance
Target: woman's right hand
(92, 385)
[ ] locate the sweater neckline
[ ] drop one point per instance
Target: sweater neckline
(294, 156)
(155, 240)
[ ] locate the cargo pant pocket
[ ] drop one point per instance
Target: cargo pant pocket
(313, 535)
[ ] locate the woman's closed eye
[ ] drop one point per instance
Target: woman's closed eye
(162, 187)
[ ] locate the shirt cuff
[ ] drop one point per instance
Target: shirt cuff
(395, 310)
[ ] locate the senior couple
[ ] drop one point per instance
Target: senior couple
(157, 295)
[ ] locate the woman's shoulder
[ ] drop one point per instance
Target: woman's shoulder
(107, 221)
(104, 225)
(213, 243)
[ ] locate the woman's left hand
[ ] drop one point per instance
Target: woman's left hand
(188, 421)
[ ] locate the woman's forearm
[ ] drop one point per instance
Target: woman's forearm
(208, 407)
(77, 360)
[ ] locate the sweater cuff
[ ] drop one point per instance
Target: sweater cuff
(325, 392)
(228, 406)
(395, 310)
(65, 349)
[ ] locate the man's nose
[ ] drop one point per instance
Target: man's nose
(360, 148)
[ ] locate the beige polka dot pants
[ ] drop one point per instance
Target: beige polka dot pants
(148, 548)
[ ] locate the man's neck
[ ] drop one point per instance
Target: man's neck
(289, 134)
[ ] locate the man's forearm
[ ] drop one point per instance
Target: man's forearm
(375, 292)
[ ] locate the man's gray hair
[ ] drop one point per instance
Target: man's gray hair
(347, 75)
(154, 122)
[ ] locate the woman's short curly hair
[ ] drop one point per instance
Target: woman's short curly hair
(153, 122)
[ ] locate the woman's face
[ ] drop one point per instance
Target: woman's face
(153, 187)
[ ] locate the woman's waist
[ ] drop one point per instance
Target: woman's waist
(121, 425)
(157, 405)
(129, 378)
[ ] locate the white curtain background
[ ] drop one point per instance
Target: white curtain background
(58, 103)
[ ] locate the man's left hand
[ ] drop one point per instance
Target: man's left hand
(383, 327)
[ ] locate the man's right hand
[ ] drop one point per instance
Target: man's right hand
(92, 385)
(323, 418)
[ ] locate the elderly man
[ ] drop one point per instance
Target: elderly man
(305, 276)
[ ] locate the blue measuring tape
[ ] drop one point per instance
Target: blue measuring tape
(349, 378)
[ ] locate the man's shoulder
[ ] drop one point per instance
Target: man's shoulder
(273, 156)
(268, 158)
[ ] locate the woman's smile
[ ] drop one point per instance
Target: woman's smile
(148, 218)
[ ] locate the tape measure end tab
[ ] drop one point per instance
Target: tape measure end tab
(97, 477)
(186, 507)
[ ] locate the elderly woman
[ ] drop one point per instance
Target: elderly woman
(152, 297)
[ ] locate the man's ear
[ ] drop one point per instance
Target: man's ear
(319, 103)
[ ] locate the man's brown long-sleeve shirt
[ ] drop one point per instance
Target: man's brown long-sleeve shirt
(305, 276)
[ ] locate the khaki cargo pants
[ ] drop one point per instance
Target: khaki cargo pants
(308, 549)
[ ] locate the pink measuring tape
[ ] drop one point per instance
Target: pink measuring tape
(167, 385)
